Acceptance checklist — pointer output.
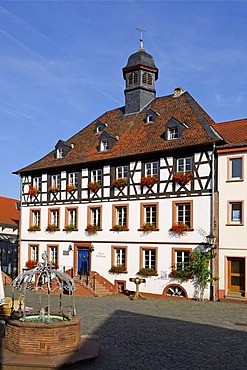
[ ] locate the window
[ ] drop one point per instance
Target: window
(132, 78)
(33, 253)
(53, 253)
(104, 145)
(96, 176)
(180, 257)
(147, 78)
(120, 215)
(55, 180)
(94, 216)
(53, 217)
(98, 129)
(73, 179)
(183, 212)
(148, 258)
(149, 119)
(34, 219)
(235, 212)
(172, 133)
(121, 172)
(184, 164)
(151, 169)
(149, 214)
(60, 153)
(71, 218)
(37, 183)
(119, 256)
(235, 166)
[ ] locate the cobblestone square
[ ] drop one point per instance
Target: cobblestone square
(162, 333)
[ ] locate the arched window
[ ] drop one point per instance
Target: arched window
(132, 78)
(147, 78)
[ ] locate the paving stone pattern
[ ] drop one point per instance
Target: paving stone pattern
(163, 333)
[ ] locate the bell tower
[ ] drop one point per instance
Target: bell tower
(140, 75)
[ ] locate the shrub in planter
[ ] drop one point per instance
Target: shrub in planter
(179, 228)
(69, 228)
(117, 269)
(119, 228)
(34, 228)
(53, 189)
(149, 180)
(120, 183)
(52, 227)
(92, 229)
(33, 190)
(147, 227)
(30, 264)
(71, 187)
(94, 186)
(182, 178)
(146, 271)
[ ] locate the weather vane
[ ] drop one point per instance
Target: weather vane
(141, 40)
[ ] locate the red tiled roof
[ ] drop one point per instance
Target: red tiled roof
(233, 132)
(135, 137)
(9, 215)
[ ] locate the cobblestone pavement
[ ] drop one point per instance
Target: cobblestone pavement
(163, 333)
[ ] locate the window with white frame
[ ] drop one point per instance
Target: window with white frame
(104, 145)
(60, 153)
(236, 168)
(96, 216)
(121, 172)
(172, 133)
(120, 257)
(53, 254)
(35, 218)
(151, 169)
(55, 180)
(55, 217)
(121, 215)
(150, 214)
(149, 258)
(184, 164)
(71, 217)
(181, 258)
(34, 253)
(184, 213)
(37, 182)
(73, 179)
(96, 176)
(236, 212)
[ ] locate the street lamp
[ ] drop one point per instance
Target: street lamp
(210, 239)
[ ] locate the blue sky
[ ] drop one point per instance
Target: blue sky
(61, 65)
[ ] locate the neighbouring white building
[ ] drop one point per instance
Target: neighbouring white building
(111, 200)
(232, 216)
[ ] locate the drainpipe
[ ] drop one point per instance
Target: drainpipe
(212, 223)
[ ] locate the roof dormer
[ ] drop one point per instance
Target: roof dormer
(99, 127)
(62, 148)
(106, 142)
(150, 116)
(174, 129)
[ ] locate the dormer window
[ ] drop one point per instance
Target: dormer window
(99, 127)
(104, 145)
(60, 153)
(149, 119)
(174, 129)
(173, 133)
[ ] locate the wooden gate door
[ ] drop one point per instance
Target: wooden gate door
(236, 276)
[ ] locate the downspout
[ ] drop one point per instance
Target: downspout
(20, 227)
(212, 293)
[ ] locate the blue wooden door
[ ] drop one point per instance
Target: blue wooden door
(83, 261)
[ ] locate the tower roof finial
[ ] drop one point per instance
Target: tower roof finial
(141, 39)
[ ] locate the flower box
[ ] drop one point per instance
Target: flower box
(71, 187)
(147, 272)
(120, 183)
(34, 228)
(53, 189)
(119, 228)
(149, 180)
(179, 228)
(182, 178)
(52, 227)
(148, 227)
(30, 264)
(118, 269)
(94, 186)
(69, 228)
(92, 229)
(181, 274)
(33, 190)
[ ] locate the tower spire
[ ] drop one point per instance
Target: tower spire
(141, 39)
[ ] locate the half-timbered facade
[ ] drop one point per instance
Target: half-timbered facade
(113, 199)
